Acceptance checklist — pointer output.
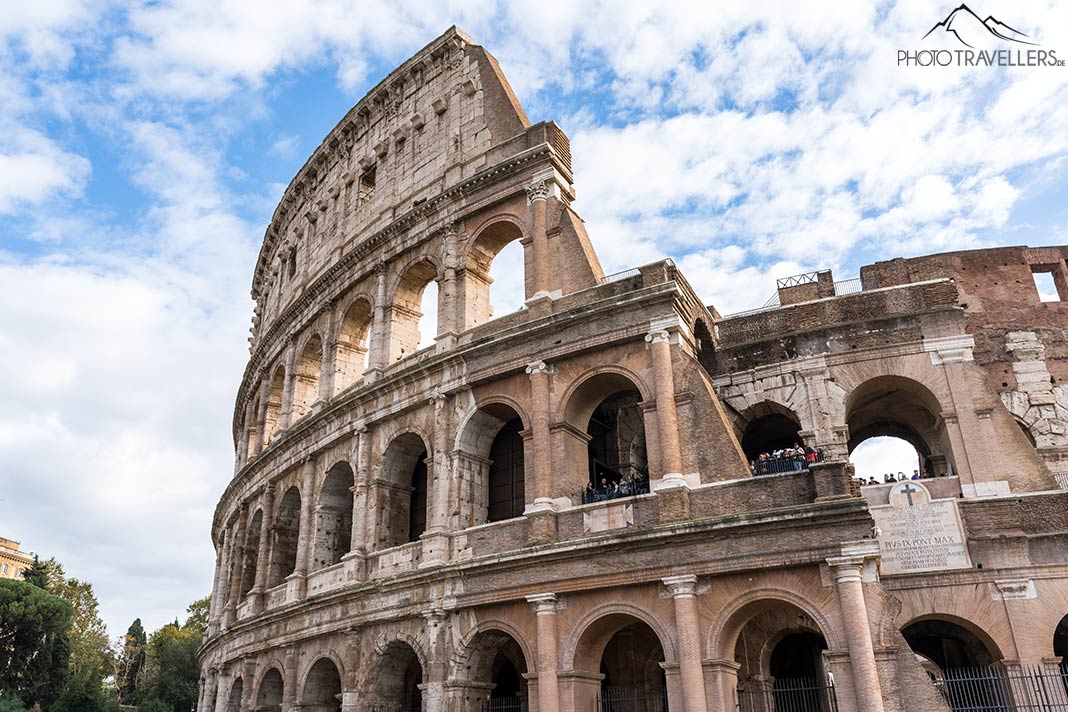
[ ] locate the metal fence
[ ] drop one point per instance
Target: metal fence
(517, 703)
(791, 694)
(782, 465)
(632, 699)
(995, 689)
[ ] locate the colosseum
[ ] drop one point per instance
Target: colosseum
(563, 509)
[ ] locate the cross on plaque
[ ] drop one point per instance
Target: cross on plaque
(908, 490)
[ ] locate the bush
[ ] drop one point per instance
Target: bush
(10, 703)
(155, 706)
(82, 693)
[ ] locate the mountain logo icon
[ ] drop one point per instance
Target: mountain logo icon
(971, 31)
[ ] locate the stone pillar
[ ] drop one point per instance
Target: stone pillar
(287, 389)
(538, 200)
(289, 683)
(854, 612)
(721, 679)
(435, 541)
(539, 426)
(437, 662)
(297, 581)
(222, 691)
(262, 564)
(684, 590)
(327, 369)
(545, 609)
(236, 563)
(217, 598)
(450, 308)
(261, 418)
(666, 417)
(379, 358)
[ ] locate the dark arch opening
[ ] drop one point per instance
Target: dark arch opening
(286, 534)
(1060, 647)
(616, 447)
(396, 686)
(333, 517)
(506, 491)
(252, 552)
(233, 702)
(402, 494)
(322, 688)
(269, 697)
(631, 668)
(948, 645)
(768, 433)
(496, 661)
(706, 347)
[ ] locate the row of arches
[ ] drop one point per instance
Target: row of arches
(335, 355)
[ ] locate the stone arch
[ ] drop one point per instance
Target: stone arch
(487, 242)
(273, 412)
(950, 641)
(233, 700)
(252, 552)
(704, 345)
(461, 657)
(322, 688)
(306, 375)
(605, 409)
(270, 691)
(400, 492)
(619, 609)
(494, 662)
(491, 457)
(397, 675)
(724, 630)
(767, 426)
(355, 321)
(405, 306)
(286, 533)
(333, 516)
(1060, 644)
(899, 407)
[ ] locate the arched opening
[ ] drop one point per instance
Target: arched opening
(322, 688)
(407, 310)
(1060, 647)
(626, 655)
(495, 666)
(428, 318)
(608, 408)
(286, 533)
(780, 653)
(333, 517)
(274, 404)
(306, 377)
(401, 491)
(950, 645)
(506, 479)
(897, 407)
(353, 344)
(494, 283)
(252, 430)
(252, 552)
(771, 440)
(706, 347)
(883, 459)
(396, 682)
(233, 702)
(269, 696)
(1026, 431)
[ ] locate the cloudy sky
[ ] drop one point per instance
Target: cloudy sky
(143, 147)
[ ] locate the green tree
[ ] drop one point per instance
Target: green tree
(36, 574)
(198, 615)
(130, 662)
(172, 678)
(90, 651)
(34, 648)
(82, 693)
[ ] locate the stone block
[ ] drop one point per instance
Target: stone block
(541, 527)
(674, 504)
(832, 479)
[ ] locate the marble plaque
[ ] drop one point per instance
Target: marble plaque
(613, 516)
(917, 533)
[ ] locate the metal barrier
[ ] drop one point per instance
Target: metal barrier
(783, 465)
(517, 703)
(789, 694)
(995, 689)
(848, 286)
(632, 699)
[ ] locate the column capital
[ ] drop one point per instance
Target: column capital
(846, 568)
(538, 367)
(681, 586)
(435, 615)
(539, 189)
(660, 336)
(543, 602)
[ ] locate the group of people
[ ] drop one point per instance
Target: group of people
(899, 477)
(787, 459)
(626, 486)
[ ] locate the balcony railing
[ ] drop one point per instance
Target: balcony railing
(784, 464)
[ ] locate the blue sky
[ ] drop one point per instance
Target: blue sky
(143, 147)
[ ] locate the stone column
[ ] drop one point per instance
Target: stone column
(237, 562)
(222, 687)
(854, 612)
(289, 683)
(327, 368)
(216, 588)
(287, 389)
(545, 608)
(538, 200)
(435, 542)
(539, 426)
(296, 581)
(450, 310)
(261, 419)
(437, 662)
(684, 590)
(379, 357)
(666, 417)
(262, 564)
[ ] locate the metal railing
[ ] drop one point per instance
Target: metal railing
(632, 699)
(798, 279)
(615, 490)
(782, 465)
(791, 694)
(518, 703)
(848, 286)
(1031, 688)
(617, 276)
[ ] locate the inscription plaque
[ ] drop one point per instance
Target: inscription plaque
(918, 534)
